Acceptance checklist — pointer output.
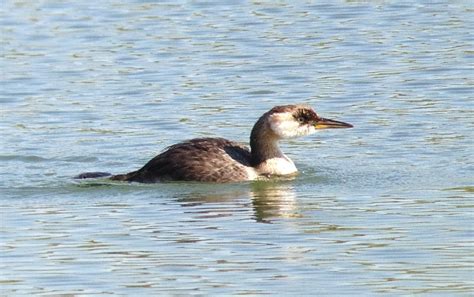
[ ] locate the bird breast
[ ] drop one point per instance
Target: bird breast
(277, 166)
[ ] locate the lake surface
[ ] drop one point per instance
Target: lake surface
(384, 208)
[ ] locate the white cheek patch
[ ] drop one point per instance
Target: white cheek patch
(306, 130)
(285, 126)
(285, 129)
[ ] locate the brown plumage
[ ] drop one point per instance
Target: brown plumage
(201, 159)
(221, 160)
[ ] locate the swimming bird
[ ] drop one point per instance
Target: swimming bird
(221, 160)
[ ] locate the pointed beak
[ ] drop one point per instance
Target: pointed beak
(323, 123)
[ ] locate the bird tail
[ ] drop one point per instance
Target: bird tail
(124, 177)
(92, 175)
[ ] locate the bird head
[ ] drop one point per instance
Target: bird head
(290, 121)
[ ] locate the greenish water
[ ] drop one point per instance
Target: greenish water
(384, 208)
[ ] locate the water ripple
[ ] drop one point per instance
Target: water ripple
(384, 208)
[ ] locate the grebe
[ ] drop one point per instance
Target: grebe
(221, 160)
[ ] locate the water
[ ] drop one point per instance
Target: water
(384, 208)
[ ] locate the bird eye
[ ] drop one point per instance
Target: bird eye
(301, 120)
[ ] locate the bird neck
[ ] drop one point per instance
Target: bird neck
(267, 157)
(263, 142)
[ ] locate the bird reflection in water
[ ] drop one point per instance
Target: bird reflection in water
(272, 200)
(268, 200)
